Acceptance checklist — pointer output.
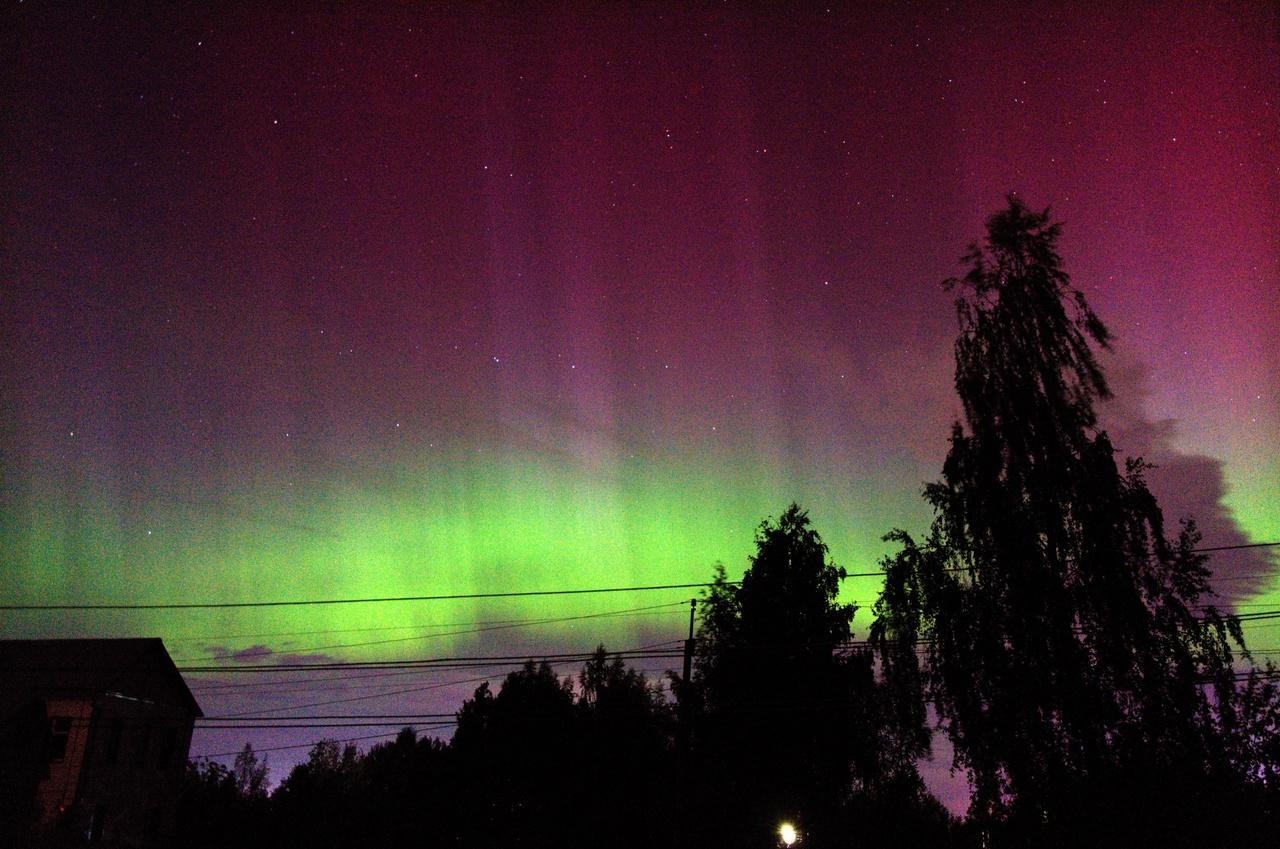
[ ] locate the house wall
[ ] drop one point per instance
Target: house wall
(117, 780)
(56, 792)
(95, 738)
(129, 785)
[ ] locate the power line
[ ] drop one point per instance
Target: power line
(416, 664)
(308, 721)
(387, 734)
(479, 627)
(284, 724)
(234, 718)
(220, 605)
(378, 600)
(518, 623)
(1258, 614)
(291, 682)
(484, 623)
(255, 689)
(257, 693)
(433, 686)
(415, 727)
(298, 687)
(433, 663)
(469, 661)
(439, 685)
(1235, 547)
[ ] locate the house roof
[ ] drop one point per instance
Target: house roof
(134, 668)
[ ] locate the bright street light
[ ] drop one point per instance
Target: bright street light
(787, 832)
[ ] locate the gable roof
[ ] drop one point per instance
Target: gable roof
(136, 668)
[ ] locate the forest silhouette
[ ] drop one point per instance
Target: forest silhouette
(1048, 623)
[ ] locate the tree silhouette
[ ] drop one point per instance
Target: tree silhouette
(250, 774)
(408, 793)
(1066, 650)
(624, 758)
(514, 756)
(219, 807)
(791, 720)
(318, 803)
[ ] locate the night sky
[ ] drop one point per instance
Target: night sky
(417, 301)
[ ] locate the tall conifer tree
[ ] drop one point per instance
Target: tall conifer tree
(793, 724)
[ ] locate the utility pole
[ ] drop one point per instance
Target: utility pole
(684, 774)
(688, 644)
(686, 686)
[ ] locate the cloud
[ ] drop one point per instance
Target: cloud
(1188, 485)
(252, 653)
(262, 653)
(311, 657)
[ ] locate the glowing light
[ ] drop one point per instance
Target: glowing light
(788, 833)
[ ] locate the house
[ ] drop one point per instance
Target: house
(94, 736)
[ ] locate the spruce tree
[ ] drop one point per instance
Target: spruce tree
(792, 724)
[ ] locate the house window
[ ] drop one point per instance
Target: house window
(59, 735)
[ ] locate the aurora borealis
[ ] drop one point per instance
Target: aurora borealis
(428, 301)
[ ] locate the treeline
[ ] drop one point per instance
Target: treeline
(783, 720)
(1048, 624)
(543, 761)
